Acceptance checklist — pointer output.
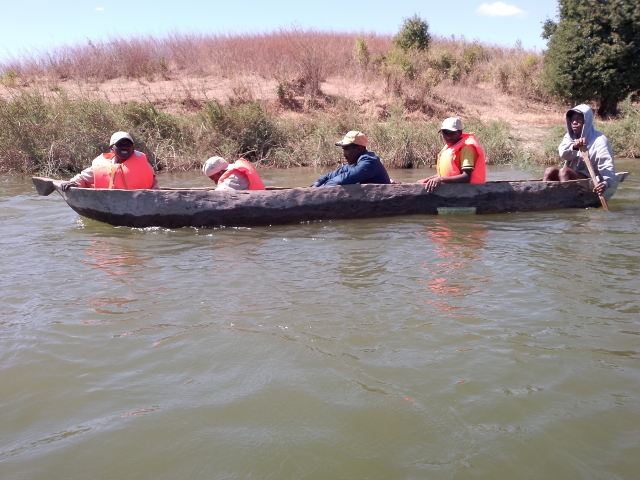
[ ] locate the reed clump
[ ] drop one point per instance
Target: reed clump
(52, 134)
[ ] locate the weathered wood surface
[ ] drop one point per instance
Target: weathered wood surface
(175, 208)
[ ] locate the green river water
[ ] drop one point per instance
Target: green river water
(420, 347)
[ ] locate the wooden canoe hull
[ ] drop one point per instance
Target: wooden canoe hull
(175, 208)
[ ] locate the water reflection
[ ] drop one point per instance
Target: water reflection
(122, 264)
(457, 247)
(114, 259)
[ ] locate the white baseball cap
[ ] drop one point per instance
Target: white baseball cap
(214, 165)
(452, 124)
(116, 137)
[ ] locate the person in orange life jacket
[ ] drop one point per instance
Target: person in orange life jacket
(238, 176)
(461, 160)
(123, 168)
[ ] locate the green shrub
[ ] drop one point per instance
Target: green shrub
(396, 68)
(454, 73)
(448, 65)
(503, 78)
(150, 121)
(413, 35)
(400, 63)
(9, 78)
(245, 130)
(445, 61)
(471, 55)
(361, 52)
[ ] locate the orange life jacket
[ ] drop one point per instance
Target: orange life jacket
(134, 173)
(449, 163)
(243, 166)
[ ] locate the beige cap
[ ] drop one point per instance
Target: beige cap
(116, 137)
(452, 124)
(214, 165)
(353, 136)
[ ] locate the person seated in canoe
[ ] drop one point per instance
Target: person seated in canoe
(122, 168)
(238, 176)
(461, 160)
(362, 165)
(582, 135)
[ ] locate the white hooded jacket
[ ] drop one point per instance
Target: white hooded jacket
(598, 147)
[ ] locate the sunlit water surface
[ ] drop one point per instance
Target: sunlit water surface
(496, 346)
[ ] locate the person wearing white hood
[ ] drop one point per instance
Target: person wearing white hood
(580, 133)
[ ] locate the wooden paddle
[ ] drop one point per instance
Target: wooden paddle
(594, 179)
(592, 173)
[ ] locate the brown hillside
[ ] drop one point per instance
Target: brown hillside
(180, 72)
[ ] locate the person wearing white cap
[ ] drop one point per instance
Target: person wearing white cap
(362, 165)
(238, 176)
(122, 168)
(461, 160)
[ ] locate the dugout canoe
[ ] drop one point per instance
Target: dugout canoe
(205, 207)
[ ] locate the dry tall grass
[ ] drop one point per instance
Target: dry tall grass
(286, 55)
(286, 52)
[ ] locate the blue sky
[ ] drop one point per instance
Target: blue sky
(43, 24)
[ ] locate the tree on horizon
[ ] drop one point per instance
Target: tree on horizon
(593, 52)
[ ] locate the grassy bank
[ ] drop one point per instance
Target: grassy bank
(52, 133)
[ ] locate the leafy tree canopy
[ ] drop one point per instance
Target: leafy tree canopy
(593, 52)
(413, 35)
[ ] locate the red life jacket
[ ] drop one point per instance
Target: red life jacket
(449, 163)
(243, 166)
(132, 174)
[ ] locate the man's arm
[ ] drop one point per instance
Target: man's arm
(604, 160)
(566, 149)
(425, 180)
(433, 182)
(84, 179)
(328, 176)
(358, 173)
(468, 157)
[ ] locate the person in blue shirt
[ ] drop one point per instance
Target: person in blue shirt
(362, 166)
